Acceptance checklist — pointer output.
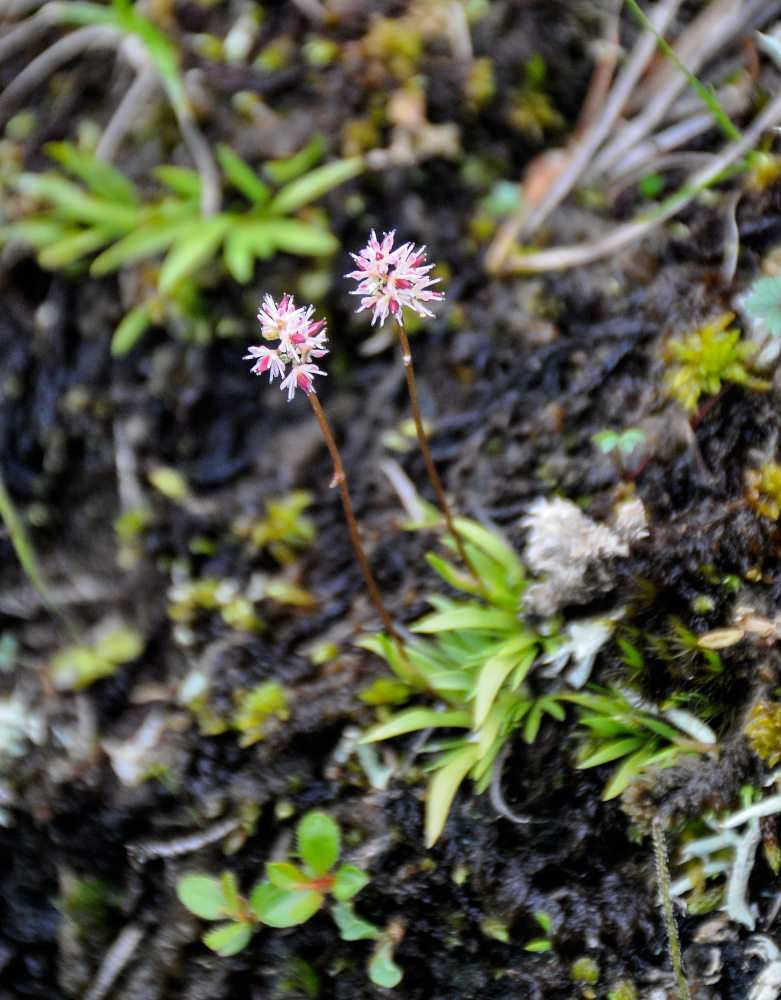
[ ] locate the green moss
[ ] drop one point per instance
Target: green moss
(584, 970)
(763, 731)
(702, 360)
(763, 487)
(259, 711)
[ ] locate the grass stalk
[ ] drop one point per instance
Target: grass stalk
(663, 878)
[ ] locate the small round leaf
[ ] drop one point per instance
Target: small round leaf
(203, 896)
(228, 939)
(318, 841)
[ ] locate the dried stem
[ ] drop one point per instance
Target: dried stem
(663, 878)
(341, 481)
(409, 374)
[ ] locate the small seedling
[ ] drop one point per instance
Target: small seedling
(544, 943)
(291, 894)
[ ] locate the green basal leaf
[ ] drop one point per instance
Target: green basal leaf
(319, 841)
(495, 672)
(468, 616)
(459, 579)
(301, 238)
(351, 926)
(79, 12)
(181, 180)
(203, 896)
(494, 546)
(286, 876)
(348, 882)
(148, 239)
(102, 179)
(242, 176)
(413, 720)
(228, 939)
(35, 232)
(382, 970)
(245, 243)
(192, 250)
(442, 790)
(314, 184)
(283, 907)
(74, 246)
(129, 331)
(285, 170)
(603, 725)
(69, 201)
(627, 771)
(612, 751)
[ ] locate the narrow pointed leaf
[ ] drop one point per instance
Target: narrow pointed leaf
(315, 183)
(413, 720)
(242, 176)
(442, 791)
(192, 250)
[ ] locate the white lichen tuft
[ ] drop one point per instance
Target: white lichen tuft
(575, 554)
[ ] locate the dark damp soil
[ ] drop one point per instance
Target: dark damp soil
(516, 376)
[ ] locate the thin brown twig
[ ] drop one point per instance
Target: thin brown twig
(409, 374)
(340, 480)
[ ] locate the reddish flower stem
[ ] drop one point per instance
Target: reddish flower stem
(409, 374)
(341, 481)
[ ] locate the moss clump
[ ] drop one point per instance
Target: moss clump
(763, 731)
(259, 711)
(763, 489)
(707, 357)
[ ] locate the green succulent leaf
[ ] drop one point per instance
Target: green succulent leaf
(351, 926)
(228, 939)
(283, 907)
(319, 841)
(286, 876)
(348, 882)
(382, 970)
(203, 896)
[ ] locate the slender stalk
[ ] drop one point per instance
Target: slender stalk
(663, 878)
(409, 374)
(341, 481)
(26, 556)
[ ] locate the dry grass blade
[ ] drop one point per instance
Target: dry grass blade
(669, 115)
(561, 258)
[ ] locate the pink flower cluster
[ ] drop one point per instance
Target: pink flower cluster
(297, 339)
(390, 280)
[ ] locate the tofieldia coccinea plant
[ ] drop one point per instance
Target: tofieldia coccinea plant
(293, 340)
(390, 281)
